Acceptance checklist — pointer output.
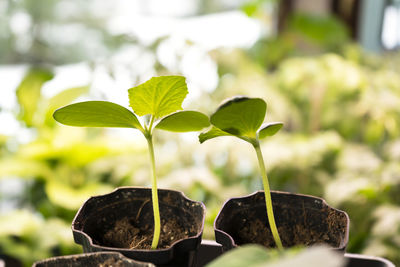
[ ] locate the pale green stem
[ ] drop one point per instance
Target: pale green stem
(151, 124)
(154, 195)
(268, 200)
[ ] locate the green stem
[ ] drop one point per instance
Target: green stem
(154, 195)
(267, 193)
(151, 124)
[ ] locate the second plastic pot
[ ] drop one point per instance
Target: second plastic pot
(104, 222)
(300, 219)
(91, 259)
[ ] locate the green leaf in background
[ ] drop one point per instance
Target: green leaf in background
(29, 94)
(97, 114)
(252, 7)
(68, 197)
(26, 236)
(321, 29)
(184, 121)
(269, 129)
(18, 223)
(63, 98)
(159, 96)
(212, 133)
(11, 166)
(241, 116)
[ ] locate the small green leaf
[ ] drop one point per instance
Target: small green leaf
(269, 129)
(97, 114)
(159, 96)
(212, 133)
(240, 116)
(184, 121)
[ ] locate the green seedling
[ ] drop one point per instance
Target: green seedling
(243, 117)
(158, 100)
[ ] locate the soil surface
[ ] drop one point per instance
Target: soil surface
(291, 233)
(112, 262)
(138, 233)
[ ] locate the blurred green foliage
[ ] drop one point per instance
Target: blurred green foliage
(302, 34)
(340, 141)
(341, 114)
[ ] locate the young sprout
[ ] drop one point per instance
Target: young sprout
(158, 99)
(243, 117)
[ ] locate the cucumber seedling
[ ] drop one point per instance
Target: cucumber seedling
(159, 100)
(243, 117)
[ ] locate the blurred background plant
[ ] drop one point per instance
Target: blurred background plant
(336, 89)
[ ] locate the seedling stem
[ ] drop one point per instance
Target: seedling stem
(267, 193)
(154, 195)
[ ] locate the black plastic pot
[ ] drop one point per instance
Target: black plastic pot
(357, 260)
(100, 214)
(210, 250)
(101, 259)
(300, 219)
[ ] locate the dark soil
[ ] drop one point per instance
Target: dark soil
(292, 233)
(127, 234)
(133, 228)
(112, 262)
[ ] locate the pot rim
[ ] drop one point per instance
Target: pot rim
(341, 247)
(114, 249)
(369, 257)
(89, 254)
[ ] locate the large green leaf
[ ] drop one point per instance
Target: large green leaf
(212, 133)
(184, 121)
(97, 114)
(159, 96)
(240, 116)
(29, 95)
(247, 255)
(269, 129)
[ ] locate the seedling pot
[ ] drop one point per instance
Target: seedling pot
(92, 259)
(301, 220)
(357, 260)
(118, 222)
